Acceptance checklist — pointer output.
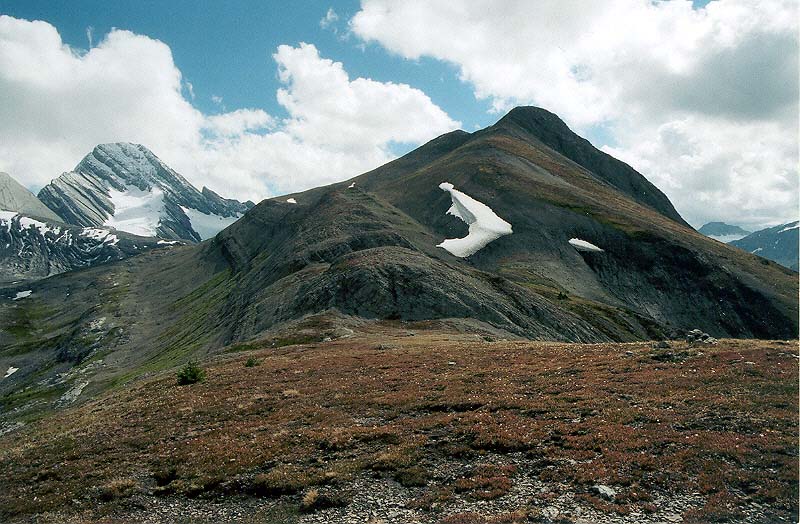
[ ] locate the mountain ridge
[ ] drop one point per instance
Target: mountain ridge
(720, 230)
(128, 179)
(346, 256)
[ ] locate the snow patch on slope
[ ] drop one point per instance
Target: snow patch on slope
(11, 370)
(103, 235)
(136, 211)
(208, 226)
(796, 225)
(484, 225)
(582, 245)
(22, 294)
(26, 223)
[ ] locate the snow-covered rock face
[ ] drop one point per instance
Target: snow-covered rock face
(484, 225)
(31, 249)
(583, 245)
(125, 186)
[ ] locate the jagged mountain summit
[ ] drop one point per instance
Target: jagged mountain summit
(125, 186)
(15, 197)
(779, 244)
(722, 231)
(555, 240)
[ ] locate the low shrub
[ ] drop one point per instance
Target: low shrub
(117, 489)
(414, 476)
(191, 373)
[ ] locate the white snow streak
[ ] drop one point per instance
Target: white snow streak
(484, 225)
(291, 200)
(582, 245)
(22, 294)
(11, 371)
(790, 227)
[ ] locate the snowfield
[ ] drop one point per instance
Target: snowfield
(208, 226)
(136, 211)
(484, 225)
(11, 371)
(582, 245)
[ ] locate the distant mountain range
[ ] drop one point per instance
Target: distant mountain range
(779, 244)
(119, 201)
(722, 231)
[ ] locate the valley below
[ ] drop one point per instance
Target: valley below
(418, 422)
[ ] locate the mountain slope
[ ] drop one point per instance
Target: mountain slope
(653, 263)
(15, 197)
(779, 244)
(312, 264)
(127, 187)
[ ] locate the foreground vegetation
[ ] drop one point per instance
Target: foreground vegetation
(718, 422)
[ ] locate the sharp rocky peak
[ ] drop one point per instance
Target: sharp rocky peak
(154, 199)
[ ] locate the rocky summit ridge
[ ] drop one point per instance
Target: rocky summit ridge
(127, 187)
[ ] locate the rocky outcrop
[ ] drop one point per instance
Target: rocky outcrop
(127, 187)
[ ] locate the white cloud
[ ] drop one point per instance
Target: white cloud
(644, 69)
(190, 89)
(59, 103)
(330, 110)
(238, 122)
(329, 19)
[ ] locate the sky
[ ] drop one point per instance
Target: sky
(256, 98)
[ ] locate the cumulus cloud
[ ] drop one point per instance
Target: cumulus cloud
(650, 72)
(60, 102)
